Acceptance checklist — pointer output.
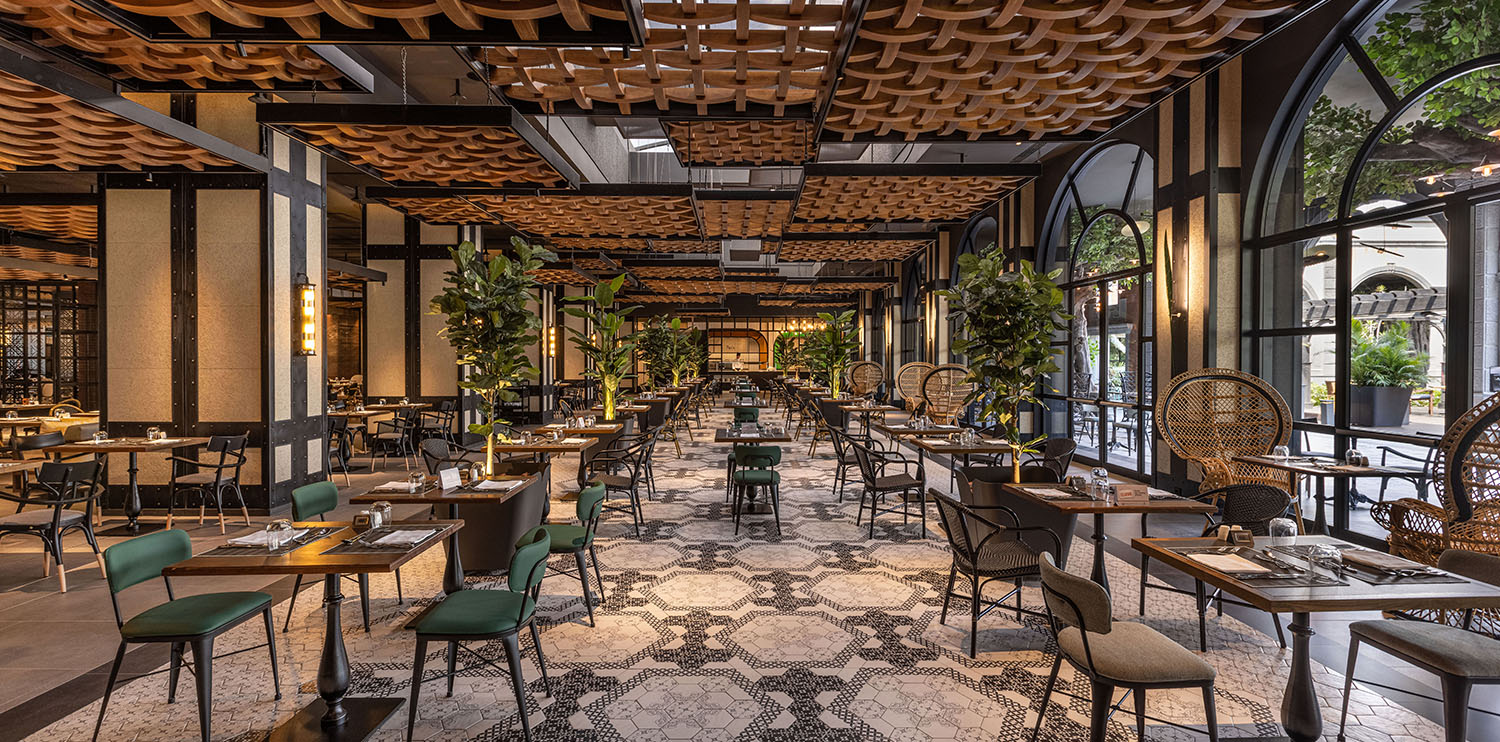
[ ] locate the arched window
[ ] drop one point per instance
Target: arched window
(1379, 214)
(979, 237)
(1099, 238)
(914, 310)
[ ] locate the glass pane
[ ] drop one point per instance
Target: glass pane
(1440, 145)
(1083, 352)
(1364, 492)
(1120, 429)
(1056, 383)
(1148, 423)
(1486, 318)
(1108, 246)
(1400, 312)
(1086, 429)
(1301, 368)
(1416, 40)
(1299, 284)
(1124, 345)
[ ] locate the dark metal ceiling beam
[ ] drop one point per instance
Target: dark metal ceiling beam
(673, 111)
(837, 137)
(71, 271)
(745, 194)
(56, 80)
(683, 190)
(924, 169)
(354, 269)
(861, 236)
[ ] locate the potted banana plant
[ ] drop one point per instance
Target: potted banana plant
(829, 349)
(609, 352)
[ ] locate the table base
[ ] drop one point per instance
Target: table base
(365, 717)
(126, 529)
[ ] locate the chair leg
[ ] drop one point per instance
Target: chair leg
(62, 571)
(594, 557)
(241, 496)
(1348, 683)
(109, 687)
(775, 490)
(1140, 714)
(1018, 599)
(1099, 702)
(948, 594)
(583, 577)
(292, 603)
(1041, 712)
(513, 659)
(400, 599)
(1280, 635)
(174, 670)
(974, 616)
(1456, 706)
(1210, 713)
(203, 673)
(416, 686)
(541, 662)
(452, 665)
(88, 535)
(271, 645)
(364, 600)
(1202, 616)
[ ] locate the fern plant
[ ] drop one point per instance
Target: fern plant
(1385, 358)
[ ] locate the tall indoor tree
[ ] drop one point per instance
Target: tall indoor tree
(684, 355)
(653, 346)
(1009, 318)
(609, 352)
(490, 325)
(829, 349)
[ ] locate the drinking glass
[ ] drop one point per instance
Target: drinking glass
(1353, 457)
(476, 473)
(383, 510)
(382, 400)
(1283, 528)
(278, 532)
(100, 436)
(1281, 452)
(1328, 558)
(415, 480)
(10, 414)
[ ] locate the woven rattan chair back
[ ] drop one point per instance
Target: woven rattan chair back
(909, 383)
(1211, 415)
(1466, 473)
(946, 388)
(865, 377)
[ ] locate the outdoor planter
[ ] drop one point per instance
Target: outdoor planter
(1379, 406)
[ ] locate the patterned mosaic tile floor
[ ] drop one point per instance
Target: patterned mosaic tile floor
(818, 634)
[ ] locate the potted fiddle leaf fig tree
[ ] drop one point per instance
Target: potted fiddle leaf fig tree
(609, 352)
(829, 349)
(653, 345)
(491, 327)
(1008, 321)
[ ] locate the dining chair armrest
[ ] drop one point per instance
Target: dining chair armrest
(1015, 531)
(191, 462)
(1389, 451)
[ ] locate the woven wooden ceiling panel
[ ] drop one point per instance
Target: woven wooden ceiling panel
(696, 54)
(1027, 66)
(605, 216)
(673, 299)
(71, 223)
(819, 227)
(599, 243)
(714, 286)
(697, 247)
(442, 210)
(48, 256)
(779, 302)
(837, 287)
(563, 276)
(194, 65)
(310, 18)
(794, 250)
(444, 155)
(43, 129)
(744, 218)
(709, 143)
(676, 271)
(899, 197)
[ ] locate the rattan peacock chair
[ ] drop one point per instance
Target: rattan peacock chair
(909, 383)
(865, 377)
(1466, 478)
(946, 388)
(1211, 415)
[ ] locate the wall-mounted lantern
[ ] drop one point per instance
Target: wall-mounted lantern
(306, 317)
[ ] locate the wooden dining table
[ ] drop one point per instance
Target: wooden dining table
(132, 447)
(1320, 470)
(332, 716)
(1300, 715)
(1159, 502)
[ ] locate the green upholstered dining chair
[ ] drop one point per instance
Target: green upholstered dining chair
(746, 414)
(1114, 654)
(753, 470)
(485, 615)
(195, 620)
(568, 538)
(311, 502)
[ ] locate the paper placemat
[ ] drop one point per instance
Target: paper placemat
(1229, 563)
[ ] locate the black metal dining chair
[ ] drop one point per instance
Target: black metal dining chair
(53, 495)
(210, 478)
(880, 483)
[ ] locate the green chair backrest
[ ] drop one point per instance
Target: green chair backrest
(590, 504)
(757, 457)
(529, 562)
(313, 500)
(142, 558)
(746, 414)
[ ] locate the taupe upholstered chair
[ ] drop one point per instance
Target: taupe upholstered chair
(1460, 657)
(1466, 478)
(1114, 654)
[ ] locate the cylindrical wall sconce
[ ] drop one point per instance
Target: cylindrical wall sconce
(306, 317)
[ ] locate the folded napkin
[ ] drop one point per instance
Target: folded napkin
(1050, 494)
(1231, 563)
(555, 425)
(574, 440)
(946, 427)
(392, 487)
(261, 538)
(996, 441)
(938, 442)
(501, 484)
(405, 537)
(1378, 560)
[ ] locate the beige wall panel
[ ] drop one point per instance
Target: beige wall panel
(385, 311)
(1231, 77)
(1028, 212)
(1227, 283)
(1197, 127)
(439, 362)
(314, 167)
(281, 152)
(1164, 142)
(158, 102)
(317, 378)
(1197, 282)
(384, 225)
(534, 351)
(229, 305)
(280, 289)
(229, 116)
(315, 454)
(283, 456)
(438, 234)
(138, 305)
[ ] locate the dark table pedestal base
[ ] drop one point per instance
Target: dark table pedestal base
(364, 716)
(131, 529)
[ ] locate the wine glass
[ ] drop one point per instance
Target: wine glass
(1283, 528)
(278, 532)
(1281, 452)
(1353, 457)
(415, 480)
